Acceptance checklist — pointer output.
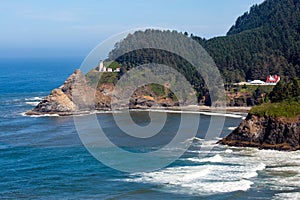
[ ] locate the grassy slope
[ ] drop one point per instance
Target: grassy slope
(288, 109)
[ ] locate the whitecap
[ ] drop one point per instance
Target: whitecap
(207, 179)
(232, 128)
(197, 139)
(228, 151)
(290, 196)
(37, 116)
(34, 99)
(34, 103)
(216, 158)
(194, 139)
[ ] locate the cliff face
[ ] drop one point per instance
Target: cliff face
(61, 101)
(266, 133)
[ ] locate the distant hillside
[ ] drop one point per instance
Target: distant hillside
(265, 40)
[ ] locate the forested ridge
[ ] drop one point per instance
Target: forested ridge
(265, 40)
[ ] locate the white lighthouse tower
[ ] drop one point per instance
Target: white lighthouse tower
(101, 66)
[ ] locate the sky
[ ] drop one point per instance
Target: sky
(56, 28)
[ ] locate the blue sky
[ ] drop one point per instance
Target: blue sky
(35, 28)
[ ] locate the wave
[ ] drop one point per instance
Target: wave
(194, 139)
(34, 99)
(214, 159)
(205, 179)
(232, 128)
(290, 196)
(37, 116)
(228, 151)
(34, 103)
(226, 171)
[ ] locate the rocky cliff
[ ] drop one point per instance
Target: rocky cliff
(266, 133)
(61, 101)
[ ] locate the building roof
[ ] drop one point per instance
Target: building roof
(257, 82)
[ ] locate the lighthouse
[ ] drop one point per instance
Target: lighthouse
(101, 66)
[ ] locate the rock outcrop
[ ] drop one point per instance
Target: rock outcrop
(60, 101)
(266, 133)
(77, 96)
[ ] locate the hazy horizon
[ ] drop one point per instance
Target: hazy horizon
(74, 28)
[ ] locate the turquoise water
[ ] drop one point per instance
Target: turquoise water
(43, 157)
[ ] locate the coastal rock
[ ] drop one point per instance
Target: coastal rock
(76, 95)
(56, 102)
(61, 100)
(103, 96)
(266, 133)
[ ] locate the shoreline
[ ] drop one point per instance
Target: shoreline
(227, 109)
(206, 110)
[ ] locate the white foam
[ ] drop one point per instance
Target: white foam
(232, 128)
(34, 99)
(197, 139)
(193, 112)
(206, 144)
(216, 158)
(229, 170)
(206, 179)
(36, 116)
(32, 103)
(289, 196)
(194, 139)
(228, 151)
(250, 175)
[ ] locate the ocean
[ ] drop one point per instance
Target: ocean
(44, 158)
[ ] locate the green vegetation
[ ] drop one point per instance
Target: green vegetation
(158, 90)
(92, 77)
(114, 65)
(284, 101)
(263, 41)
(146, 56)
(252, 89)
(283, 109)
(286, 91)
(108, 77)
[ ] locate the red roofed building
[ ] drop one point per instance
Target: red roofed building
(273, 79)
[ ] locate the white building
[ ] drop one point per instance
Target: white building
(257, 82)
(117, 70)
(101, 66)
